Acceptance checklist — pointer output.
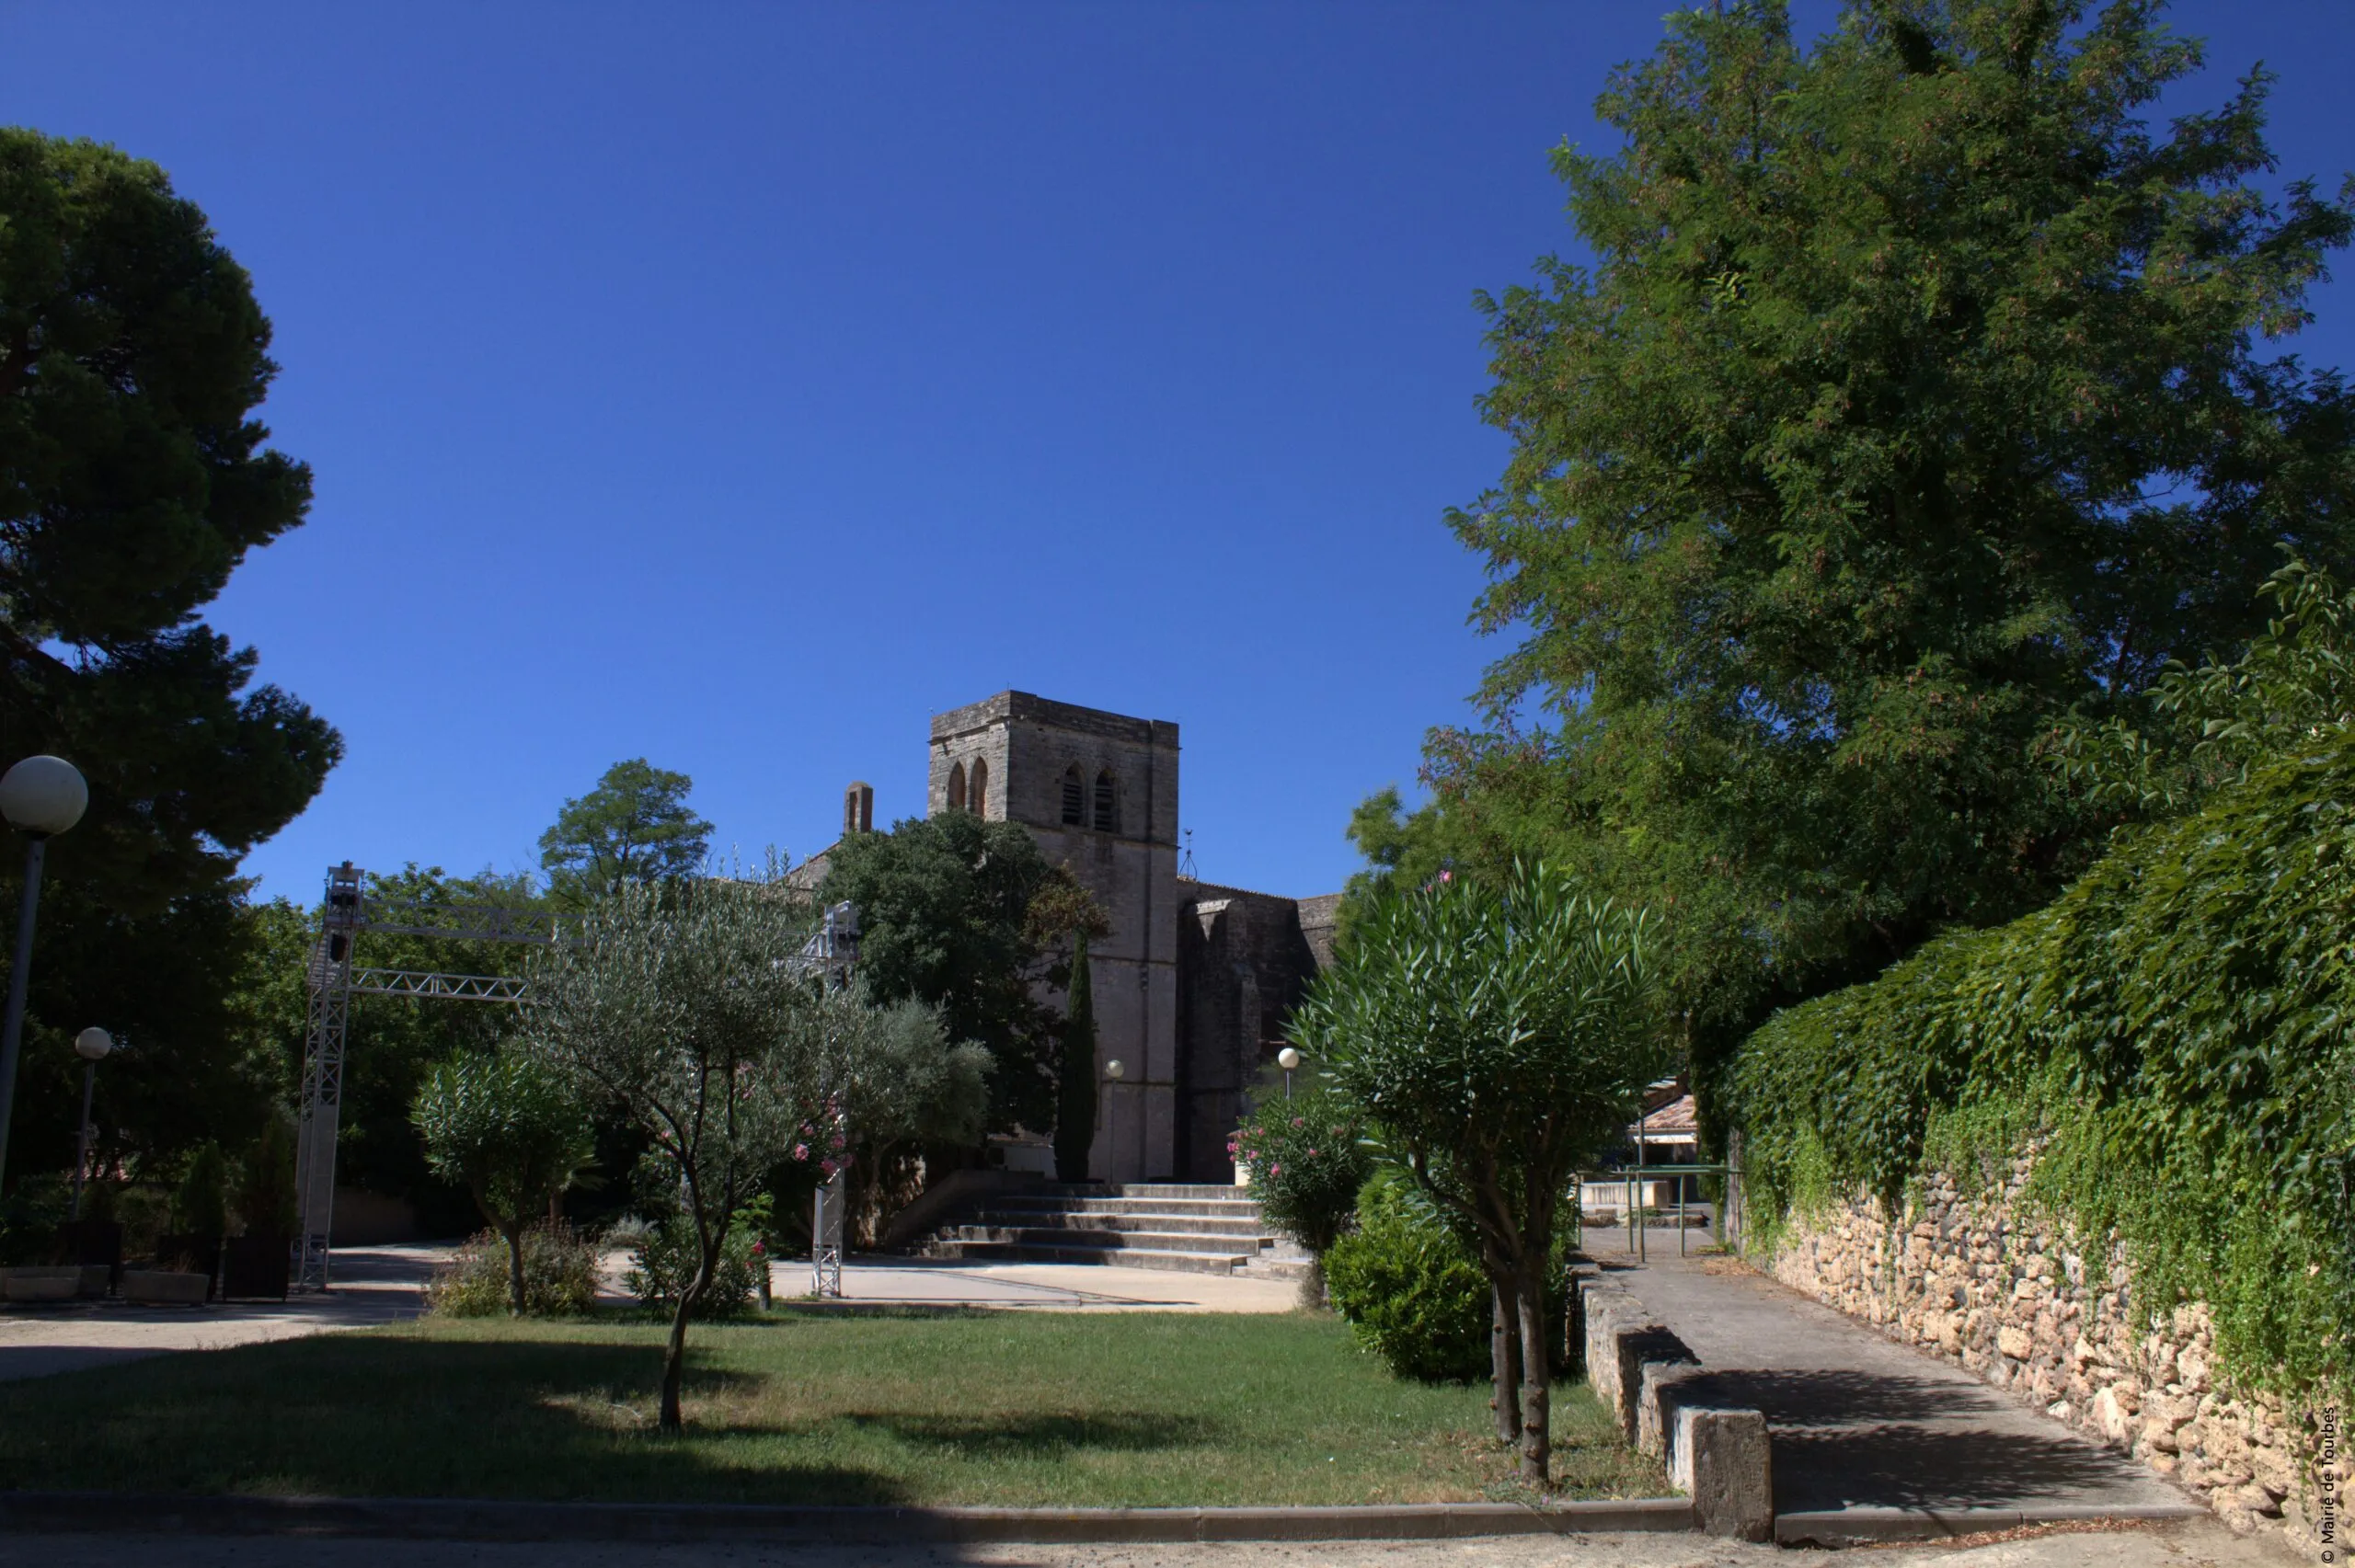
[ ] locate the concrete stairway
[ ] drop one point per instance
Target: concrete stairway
(1199, 1229)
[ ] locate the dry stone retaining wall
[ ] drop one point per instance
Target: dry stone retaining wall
(1993, 1284)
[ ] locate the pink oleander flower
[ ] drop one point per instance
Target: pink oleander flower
(1275, 1169)
(839, 1140)
(827, 1166)
(801, 1152)
(1300, 1121)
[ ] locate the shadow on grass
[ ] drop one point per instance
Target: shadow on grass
(346, 1415)
(1004, 1438)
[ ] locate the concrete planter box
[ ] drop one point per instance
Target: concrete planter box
(167, 1286)
(98, 1278)
(39, 1283)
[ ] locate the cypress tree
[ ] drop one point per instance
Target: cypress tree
(1075, 1108)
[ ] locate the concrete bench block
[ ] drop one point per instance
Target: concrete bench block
(166, 1286)
(1724, 1461)
(1655, 1403)
(39, 1283)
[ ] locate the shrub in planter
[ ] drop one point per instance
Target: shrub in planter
(560, 1276)
(1408, 1288)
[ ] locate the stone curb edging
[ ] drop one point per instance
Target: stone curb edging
(1861, 1527)
(450, 1518)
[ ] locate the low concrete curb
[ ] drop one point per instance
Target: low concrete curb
(441, 1518)
(1863, 1527)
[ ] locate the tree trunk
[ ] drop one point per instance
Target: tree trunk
(1536, 1389)
(513, 1230)
(674, 1352)
(1504, 1359)
(1312, 1288)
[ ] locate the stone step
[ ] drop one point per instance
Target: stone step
(1206, 1207)
(1175, 1224)
(1103, 1240)
(1125, 1257)
(1187, 1189)
(1266, 1268)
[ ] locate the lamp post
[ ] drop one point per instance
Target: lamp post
(1114, 1070)
(1287, 1058)
(40, 796)
(93, 1045)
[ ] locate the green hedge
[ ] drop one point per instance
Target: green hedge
(1409, 1289)
(2176, 1030)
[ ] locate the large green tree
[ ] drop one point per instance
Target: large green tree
(634, 828)
(134, 479)
(969, 917)
(1918, 396)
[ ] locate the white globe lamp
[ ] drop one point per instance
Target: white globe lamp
(40, 796)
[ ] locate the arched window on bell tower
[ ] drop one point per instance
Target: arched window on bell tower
(978, 792)
(1075, 798)
(956, 786)
(1108, 804)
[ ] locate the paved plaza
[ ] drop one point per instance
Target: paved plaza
(374, 1285)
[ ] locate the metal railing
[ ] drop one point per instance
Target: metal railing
(1726, 1219)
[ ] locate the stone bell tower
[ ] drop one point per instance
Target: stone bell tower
(1099, 791)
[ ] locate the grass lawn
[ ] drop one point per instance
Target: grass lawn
(985, 1407)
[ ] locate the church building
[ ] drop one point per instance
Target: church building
(1193, 982)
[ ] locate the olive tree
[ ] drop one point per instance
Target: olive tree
(1495, 1039)
(510, 1130)
(685, 1006)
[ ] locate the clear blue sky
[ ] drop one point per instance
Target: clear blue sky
(737, 385)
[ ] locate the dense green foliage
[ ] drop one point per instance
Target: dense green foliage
(1307, 1158)
(635, 828)
(967, 916)
(1917, 397)
(511, 1130)
(133, 480)
(201, 1202)
(1494, 1039)
(1076, 1072)
(559, 1271)
(2174, 1030)
(1409, 1289)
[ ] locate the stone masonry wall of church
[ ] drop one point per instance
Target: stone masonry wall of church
(1027, 742)
(1244, 964)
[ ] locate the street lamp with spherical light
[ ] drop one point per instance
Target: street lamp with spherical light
(40, 796)
(1287, 1058)
(1114, 1070)
(93, 1045)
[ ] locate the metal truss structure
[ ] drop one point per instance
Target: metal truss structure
(332, 980)
(830, 955)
